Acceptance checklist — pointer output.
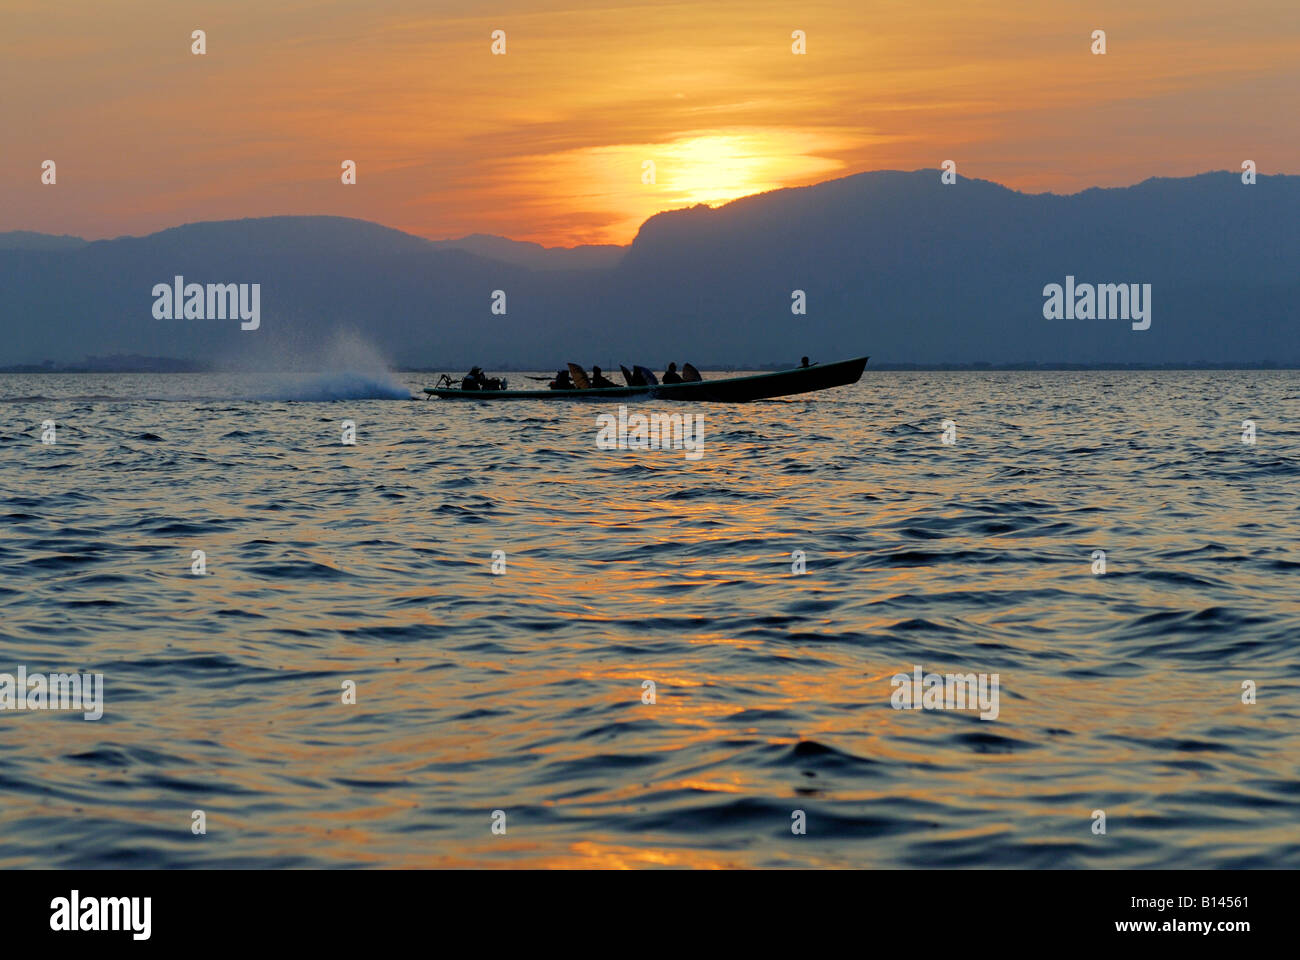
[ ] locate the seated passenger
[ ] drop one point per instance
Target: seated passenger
(599, 380)
(474, 380)
(561, 381)
(671, 375)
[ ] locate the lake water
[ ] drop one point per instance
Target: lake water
(522, 692)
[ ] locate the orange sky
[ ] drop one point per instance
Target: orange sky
(547, 142)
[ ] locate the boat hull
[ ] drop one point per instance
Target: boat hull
(763, 386)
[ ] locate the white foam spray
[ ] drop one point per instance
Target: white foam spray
(344, 367)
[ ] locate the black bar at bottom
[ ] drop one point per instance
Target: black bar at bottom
(649, 910)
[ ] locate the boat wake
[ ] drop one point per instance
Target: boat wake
(345, 367)
(326, 387)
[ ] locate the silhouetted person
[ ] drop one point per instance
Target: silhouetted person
(804, 362)
(671, 375)
(600, 380)
(474, 380)
(561, 381)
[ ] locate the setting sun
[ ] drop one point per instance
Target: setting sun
(699, 167)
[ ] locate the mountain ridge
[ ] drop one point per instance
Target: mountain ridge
(892, 263)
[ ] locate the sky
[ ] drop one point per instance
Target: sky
(549, 141)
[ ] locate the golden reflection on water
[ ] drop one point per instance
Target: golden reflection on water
(523, 692)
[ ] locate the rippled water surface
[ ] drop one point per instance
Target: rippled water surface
(522, 692)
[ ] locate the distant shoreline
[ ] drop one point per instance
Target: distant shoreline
(168, 365)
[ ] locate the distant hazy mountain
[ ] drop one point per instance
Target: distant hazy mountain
(28, 240)
(534, 255)
(897, 265)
